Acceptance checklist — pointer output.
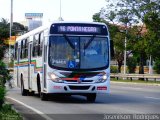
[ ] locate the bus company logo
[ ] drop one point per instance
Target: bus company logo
(79, 80)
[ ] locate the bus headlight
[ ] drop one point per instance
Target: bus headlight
(102, 79)
(55, 78)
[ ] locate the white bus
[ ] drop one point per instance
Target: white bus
(64, 58)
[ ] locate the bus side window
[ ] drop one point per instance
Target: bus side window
(15, 51)
(21, 53)
(23, 50)
(26, 48)
(35, 45)
(40, 41)
(33, 50)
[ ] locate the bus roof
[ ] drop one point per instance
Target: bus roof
(37, 30)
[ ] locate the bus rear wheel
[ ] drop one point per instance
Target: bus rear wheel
(24, 92)
(91, 97)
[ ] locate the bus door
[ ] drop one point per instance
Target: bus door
(44, 63)
(29, 66)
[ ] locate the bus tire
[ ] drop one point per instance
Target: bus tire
(44, 96)
(91, 97)
(38, 86)
(24, 92)
(31, 93)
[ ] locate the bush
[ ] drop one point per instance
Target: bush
(4, 74)
(131, 64)
(157, 66)
(2, 95)
(114, 69)
(7, 113)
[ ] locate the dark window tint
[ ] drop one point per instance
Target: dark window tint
(37, 45)
(40, 41)
(16, 51)
(24, 49)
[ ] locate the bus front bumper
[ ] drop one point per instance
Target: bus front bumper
(78, 88)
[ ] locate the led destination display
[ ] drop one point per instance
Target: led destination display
(77, 28)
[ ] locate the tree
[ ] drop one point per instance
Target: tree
(157, 65)
(97, 17)
(148, 13)
(137, 46)
(108, 16)
(4, 73)
(119, 49)
(129, 13)
(128, 16)
(152, 21)
(131, 63)
(18, 28)
(4, 34)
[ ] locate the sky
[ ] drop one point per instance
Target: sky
(71, 10)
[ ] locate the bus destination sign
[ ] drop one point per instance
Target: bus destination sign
(78, 29)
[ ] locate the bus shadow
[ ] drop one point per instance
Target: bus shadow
(68, 99)
(101, 99)
(64, 99)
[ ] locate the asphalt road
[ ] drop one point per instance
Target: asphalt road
(124, 99)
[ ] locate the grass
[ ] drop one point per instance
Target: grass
(135, 81)
(7, 113)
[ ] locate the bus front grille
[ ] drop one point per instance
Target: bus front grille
(82, 81)
(79, 87)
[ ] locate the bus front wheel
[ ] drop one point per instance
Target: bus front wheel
(43, 96)
(91, 97)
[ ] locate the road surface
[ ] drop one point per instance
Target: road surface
(124, 99)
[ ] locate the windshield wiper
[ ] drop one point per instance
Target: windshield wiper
(70, 43)
(89, 42)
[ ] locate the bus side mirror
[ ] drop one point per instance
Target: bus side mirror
(112, 49)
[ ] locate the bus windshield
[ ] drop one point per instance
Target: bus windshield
(78, 52)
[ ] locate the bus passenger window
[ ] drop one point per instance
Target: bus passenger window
(21, 55)
(23, 50)
(35, 45)
(15, 51)
(26, 48)
(40, 41)
(33, 52)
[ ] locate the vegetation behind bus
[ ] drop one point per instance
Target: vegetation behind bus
(142, 41)
(6, 111)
